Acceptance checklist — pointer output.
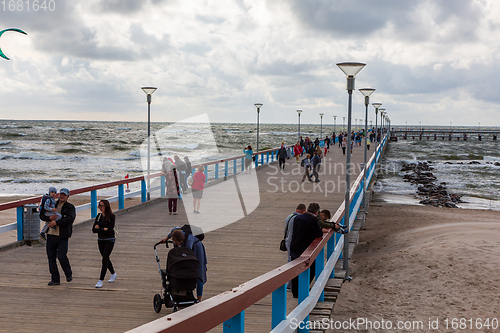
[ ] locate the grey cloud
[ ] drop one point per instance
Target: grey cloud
(210, 19)
(126, 6)
(282, 67)
(197, 48)
(359, 18)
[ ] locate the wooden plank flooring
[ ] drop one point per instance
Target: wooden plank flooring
(236, 253)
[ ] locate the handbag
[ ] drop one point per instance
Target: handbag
(283, 245)
(190, 181)
(283, 241)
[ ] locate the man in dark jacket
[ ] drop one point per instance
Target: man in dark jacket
(305, 230)
(316, 161)
(58, 237)
(282, 156)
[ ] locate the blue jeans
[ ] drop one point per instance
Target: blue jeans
(58, 248)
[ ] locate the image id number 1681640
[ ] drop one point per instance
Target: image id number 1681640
(28, 5)
(471, 323)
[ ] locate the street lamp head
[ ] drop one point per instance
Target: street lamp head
(334, 117)
(258, 105)
(299, 112)
(322, 114)
(366, 91)
(148, 90)
(350, 69)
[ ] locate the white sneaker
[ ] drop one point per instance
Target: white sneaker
(99, 284)
(112, 278)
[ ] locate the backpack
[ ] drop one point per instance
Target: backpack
(192, 229)
(303, 162)
(42, 207)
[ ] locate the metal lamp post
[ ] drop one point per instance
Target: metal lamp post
(321, 128)
(335, 125)
(366, 92)
(350, 69)
(258, 105)
(299, 112)
(382, 111)
(149, 91)
(376, 106)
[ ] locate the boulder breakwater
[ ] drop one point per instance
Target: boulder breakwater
(435, 194)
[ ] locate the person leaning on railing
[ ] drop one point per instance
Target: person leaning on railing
(305, 231)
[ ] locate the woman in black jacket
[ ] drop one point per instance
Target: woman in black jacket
(104, 227)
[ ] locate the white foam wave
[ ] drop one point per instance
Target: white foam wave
(5, 142)
(70, 129)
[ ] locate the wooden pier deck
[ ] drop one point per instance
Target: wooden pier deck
(236, 253)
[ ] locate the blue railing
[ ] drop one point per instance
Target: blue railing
(229, 308)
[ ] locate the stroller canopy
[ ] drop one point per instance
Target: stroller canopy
(182, 263)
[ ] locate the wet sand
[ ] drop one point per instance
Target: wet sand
(416, 263)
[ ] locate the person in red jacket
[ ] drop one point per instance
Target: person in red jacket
(297, 151)
(198, 186)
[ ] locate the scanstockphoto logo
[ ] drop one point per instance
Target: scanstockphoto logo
(223, 202)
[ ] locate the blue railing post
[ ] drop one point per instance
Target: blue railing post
(272, 156)
(330, 248)
(256, 160)
(143, 191)
(261, 159)
(216, 170)
(235, 162)
(121, 196)
(279, 306)
(320, 266)
(226, 167)
(235, 324)
(93, 204)
(163, 186)
(19, 211)
(267, 157)
(206, 174)
(303, 290)
(242, 164)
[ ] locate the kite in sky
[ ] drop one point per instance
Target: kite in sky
(1, 33)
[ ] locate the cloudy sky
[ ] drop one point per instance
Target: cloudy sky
(433, 62)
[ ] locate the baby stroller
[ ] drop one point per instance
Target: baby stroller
(178, 280)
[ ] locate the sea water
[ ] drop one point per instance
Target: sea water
(35, 155)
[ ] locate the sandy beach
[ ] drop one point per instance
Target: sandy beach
(9, 216)
(423, 264)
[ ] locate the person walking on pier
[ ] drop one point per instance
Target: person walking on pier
(282, 156)
(306, 167)
(297, 151)
(248, 159)
(188, 172)
(305, 231)
(171, 185)
(344, 144)
(104, 227)
(316, 162)
(198, 186)
(58, 238)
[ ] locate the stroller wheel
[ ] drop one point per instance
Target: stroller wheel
(157, 301)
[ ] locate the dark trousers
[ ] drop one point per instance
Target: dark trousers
(295, 281)
(58, 248)
(105, 247)
(282, 162)
(172, 205)
(343, 150)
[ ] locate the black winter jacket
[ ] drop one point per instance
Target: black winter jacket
(101, 233)
(65, 224)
